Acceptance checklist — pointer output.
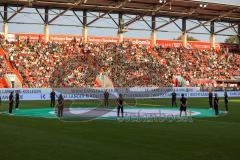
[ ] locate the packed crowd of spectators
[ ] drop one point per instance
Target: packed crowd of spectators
(3, 67)
(193, 64)
(74, 64)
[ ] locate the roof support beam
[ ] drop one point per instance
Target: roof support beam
(213, 19)
(158, 8)
(1, 15)
(212, 35)
(16, 12)
(153, 27)
(120, 27)
(231, 26)
(118, 6)
(46, 24)
(184, 33)
(113, 19)
(173, 20)
(204, 26)
(238, 29)
(235, 30)
(212, 27)
(84, 18)
(5, 23)
(224, 25)
(148, 23)
(46, 18)
(101, 16)
(79, 19)
(176, 25)
(57, 16)
(199, 22)
(153, 32)
(138, 17)
(40, 15)
(5, 14)
(169, 22)
(184, 25)
(85, 28)
(238, 33)
(134, 19)
(79, 2)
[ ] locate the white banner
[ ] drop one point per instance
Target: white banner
(26, 94)
(97, 93)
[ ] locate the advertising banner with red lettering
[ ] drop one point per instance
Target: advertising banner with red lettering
(135, 41)
(139, 41)
(169, 43)
(40, 37)
(93, 39)
(200, 45)
(64, 38)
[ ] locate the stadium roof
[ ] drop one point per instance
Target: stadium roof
(165, 8)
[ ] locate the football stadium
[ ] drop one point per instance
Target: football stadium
(119, 79)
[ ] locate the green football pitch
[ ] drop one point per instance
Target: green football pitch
(206, 138)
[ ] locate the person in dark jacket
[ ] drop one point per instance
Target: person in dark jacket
(60, 105)
(106, 96)
(174, 99)
(120, 105)
(226, 100)
(210, 99)
(183, 106)
(11, 101)
(0, 100)
(52, 97)
(17, 100)
(216, 104)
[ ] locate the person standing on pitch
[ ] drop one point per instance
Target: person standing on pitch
(226, 100)
(17, 100)
(10, 103)
(120, 105)
(183, 106)
(106, 96)
(174, 99)
(210, 98)
(216, 100)
(52, 97)
(60, 105)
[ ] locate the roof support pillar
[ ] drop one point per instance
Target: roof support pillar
(184, 32)
(46, 32)
(85, 28)
(5, 30)
(212, 35)
(153, 32)
(120, 27)
(5, 23)
(46, 25)
(238, 33)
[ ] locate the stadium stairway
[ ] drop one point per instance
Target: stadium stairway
(11, 69)
(3, 83)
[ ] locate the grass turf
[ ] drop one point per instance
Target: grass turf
(48, 139)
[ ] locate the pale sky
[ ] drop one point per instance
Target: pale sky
(23, 28)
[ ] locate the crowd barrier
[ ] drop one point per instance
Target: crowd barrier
(98, 93)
